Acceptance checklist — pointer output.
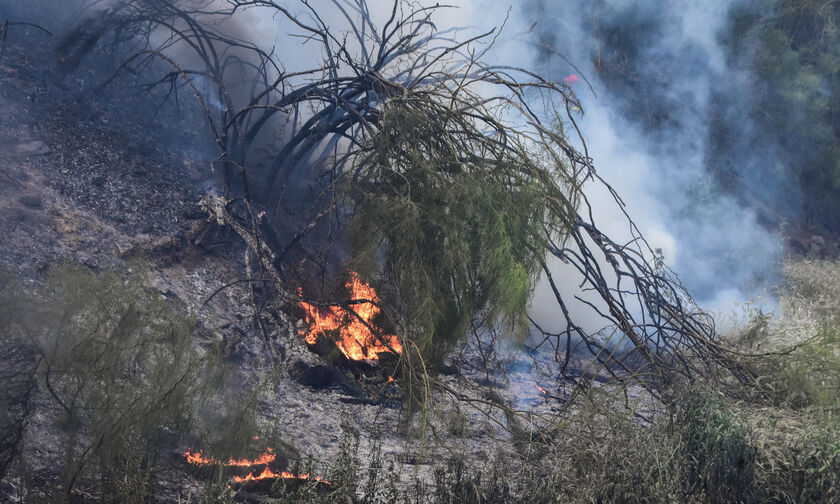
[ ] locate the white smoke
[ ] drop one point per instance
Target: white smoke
(716, 246)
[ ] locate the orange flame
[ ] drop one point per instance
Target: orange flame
(356, 341)
(265, 458)
(198, 458)
(268, 474)
(540, 389)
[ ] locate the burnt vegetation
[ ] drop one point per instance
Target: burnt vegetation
(453, 186)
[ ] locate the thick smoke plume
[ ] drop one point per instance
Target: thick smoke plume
(646, 72)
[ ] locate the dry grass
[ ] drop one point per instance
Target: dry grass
(813, 289)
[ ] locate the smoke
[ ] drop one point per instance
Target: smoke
(654, 68)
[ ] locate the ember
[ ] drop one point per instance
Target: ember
(356, 341)
(541, 389)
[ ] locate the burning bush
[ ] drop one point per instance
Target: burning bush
(463, 221)
(449, 183)
(429, 166)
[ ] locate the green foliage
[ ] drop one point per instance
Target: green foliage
(119, 361)
(461, 220)
(455, 483)
(798, 457)
(792, 48)
(605, 454)
(346, 472)
(348, 481)
(707, 449)
(719, 461)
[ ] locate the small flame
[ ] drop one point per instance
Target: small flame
(265, 458)
(269, 474)
(355, 338)
(540, 389)
(198, 458)
(391, 379)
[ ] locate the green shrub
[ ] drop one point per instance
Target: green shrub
(719, 461)
(119, 363)
(17, 369)
(17, 377)
(461, 222)
(809, 376)
(798, 456)
(603, 453)
(790, 49)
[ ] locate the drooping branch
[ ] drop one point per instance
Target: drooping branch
(449, 181)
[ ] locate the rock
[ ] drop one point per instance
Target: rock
(449, 368)
(32, 148)
(30, 201)
(124, 247)
(86, 260)
(318, 376)
(164, 243)
(142, 241)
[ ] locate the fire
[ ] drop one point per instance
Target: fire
(541, 389)
(269, 474)
(198, 458)
(356, 341)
